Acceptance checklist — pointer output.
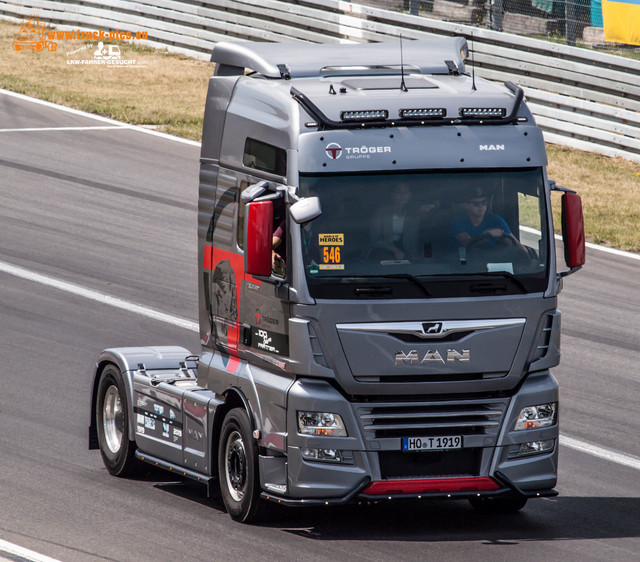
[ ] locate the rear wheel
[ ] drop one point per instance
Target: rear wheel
(238, 467)
(498, 505)
(112, 421)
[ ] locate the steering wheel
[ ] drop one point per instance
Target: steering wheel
(479, 239)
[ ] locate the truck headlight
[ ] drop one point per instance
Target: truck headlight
(324, 424)
(331, 455)
(536, 417)
(531, 448)
(536, 447)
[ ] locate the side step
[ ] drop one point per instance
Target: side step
(179, 470)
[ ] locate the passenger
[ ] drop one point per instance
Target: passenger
(478, 228)
(394, 230)
(278, 258)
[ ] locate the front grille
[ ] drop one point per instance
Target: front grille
(433, 464)
(426, 419)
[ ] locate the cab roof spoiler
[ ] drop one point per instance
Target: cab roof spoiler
(303, 60)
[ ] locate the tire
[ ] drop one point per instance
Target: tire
(112, 421)
(498, 505)
(238, 468)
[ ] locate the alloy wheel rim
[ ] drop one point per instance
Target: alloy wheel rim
(112, 419)
(236, 466)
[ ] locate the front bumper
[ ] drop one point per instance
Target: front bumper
(373, 467)
(433, 488)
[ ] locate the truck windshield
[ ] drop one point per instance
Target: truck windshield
(435, 234)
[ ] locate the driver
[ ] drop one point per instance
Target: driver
(475, 224)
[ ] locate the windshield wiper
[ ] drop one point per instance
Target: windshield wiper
(372, 290)
(495, 285)
(407, 276)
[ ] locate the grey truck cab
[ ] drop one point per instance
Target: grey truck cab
(377, 289)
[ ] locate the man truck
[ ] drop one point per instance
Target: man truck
(375, 348)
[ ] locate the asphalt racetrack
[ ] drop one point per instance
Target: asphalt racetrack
(98, 231)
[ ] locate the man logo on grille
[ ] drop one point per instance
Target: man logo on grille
(432, 327)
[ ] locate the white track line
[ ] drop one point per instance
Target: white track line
(23, 553)
(618, 458)
(614, 251)
(40, 129)
(606, 454)
(99, 118)
(98, 297)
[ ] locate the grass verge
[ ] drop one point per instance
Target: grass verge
(168, 91)
(163, 90)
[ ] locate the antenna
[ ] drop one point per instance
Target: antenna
(473, 65)
(403, 86)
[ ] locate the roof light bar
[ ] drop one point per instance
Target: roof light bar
(483, 112)
(424, 113)
(366, 115)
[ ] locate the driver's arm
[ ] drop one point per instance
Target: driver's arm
(463, 238)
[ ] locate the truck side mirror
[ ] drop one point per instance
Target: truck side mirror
(258, 238)
(305, 210)
(573, 232)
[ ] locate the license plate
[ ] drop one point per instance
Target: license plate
(432, 443)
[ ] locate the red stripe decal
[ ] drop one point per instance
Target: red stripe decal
(431, 486)
(208, 257)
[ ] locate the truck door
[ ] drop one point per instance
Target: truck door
(264, 313)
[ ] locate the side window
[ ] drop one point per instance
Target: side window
(531, 213)
(265, 157)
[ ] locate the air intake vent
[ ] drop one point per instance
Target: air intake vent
(452, 464)
(316, 348)
(424, 419)
(544, 340)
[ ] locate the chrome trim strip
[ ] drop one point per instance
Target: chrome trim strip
(426, 415)
(416, 328)
(439, 425)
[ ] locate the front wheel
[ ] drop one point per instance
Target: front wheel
(498, 505)
(238, 467)
(112, 421)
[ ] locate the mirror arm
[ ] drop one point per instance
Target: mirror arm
(554, 187)
(268, 197)
(568, 272)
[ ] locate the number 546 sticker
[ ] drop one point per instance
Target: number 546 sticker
(331, 252)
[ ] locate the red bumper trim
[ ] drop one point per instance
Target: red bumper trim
(431, 486)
